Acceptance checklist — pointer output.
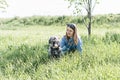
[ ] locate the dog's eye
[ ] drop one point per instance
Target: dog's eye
(53, 42)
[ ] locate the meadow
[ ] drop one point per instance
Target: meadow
(23, 54)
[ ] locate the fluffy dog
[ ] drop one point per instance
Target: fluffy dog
(54, 47)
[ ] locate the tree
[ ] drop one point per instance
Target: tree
(88, 6)
(3, 4)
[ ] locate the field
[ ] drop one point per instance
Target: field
(23, 54)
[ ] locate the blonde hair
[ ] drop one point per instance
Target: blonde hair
(75, 35)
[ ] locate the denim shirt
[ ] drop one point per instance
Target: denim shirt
(69, 45)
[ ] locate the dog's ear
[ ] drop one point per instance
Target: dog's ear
(50, 40)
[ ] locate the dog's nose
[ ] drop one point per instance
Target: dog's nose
(56, 45)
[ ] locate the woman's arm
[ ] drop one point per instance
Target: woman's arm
(63, 45)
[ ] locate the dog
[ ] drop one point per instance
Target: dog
(54, 47)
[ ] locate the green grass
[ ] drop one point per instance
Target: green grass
(23, 55)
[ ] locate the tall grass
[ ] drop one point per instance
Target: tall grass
(23, 55)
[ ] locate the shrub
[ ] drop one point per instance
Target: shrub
(112, 37)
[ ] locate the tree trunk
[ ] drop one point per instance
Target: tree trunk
(89, 17)
(89, 29)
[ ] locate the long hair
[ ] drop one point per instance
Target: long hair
(75, 35)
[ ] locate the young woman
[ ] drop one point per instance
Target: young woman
(71, 42)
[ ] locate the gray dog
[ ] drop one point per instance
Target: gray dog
(54, 47)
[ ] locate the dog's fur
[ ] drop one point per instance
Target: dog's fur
(54, 47)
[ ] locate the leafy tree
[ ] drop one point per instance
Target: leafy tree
(84, 5)
(3, 4)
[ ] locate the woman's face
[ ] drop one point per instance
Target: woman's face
(69, 32)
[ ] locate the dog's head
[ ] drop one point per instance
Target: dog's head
(54, 42)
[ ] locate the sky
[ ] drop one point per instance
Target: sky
(23, 8)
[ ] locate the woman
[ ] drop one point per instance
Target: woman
(71, 42)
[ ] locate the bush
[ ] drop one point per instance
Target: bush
(112, 37)
(59, 20)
